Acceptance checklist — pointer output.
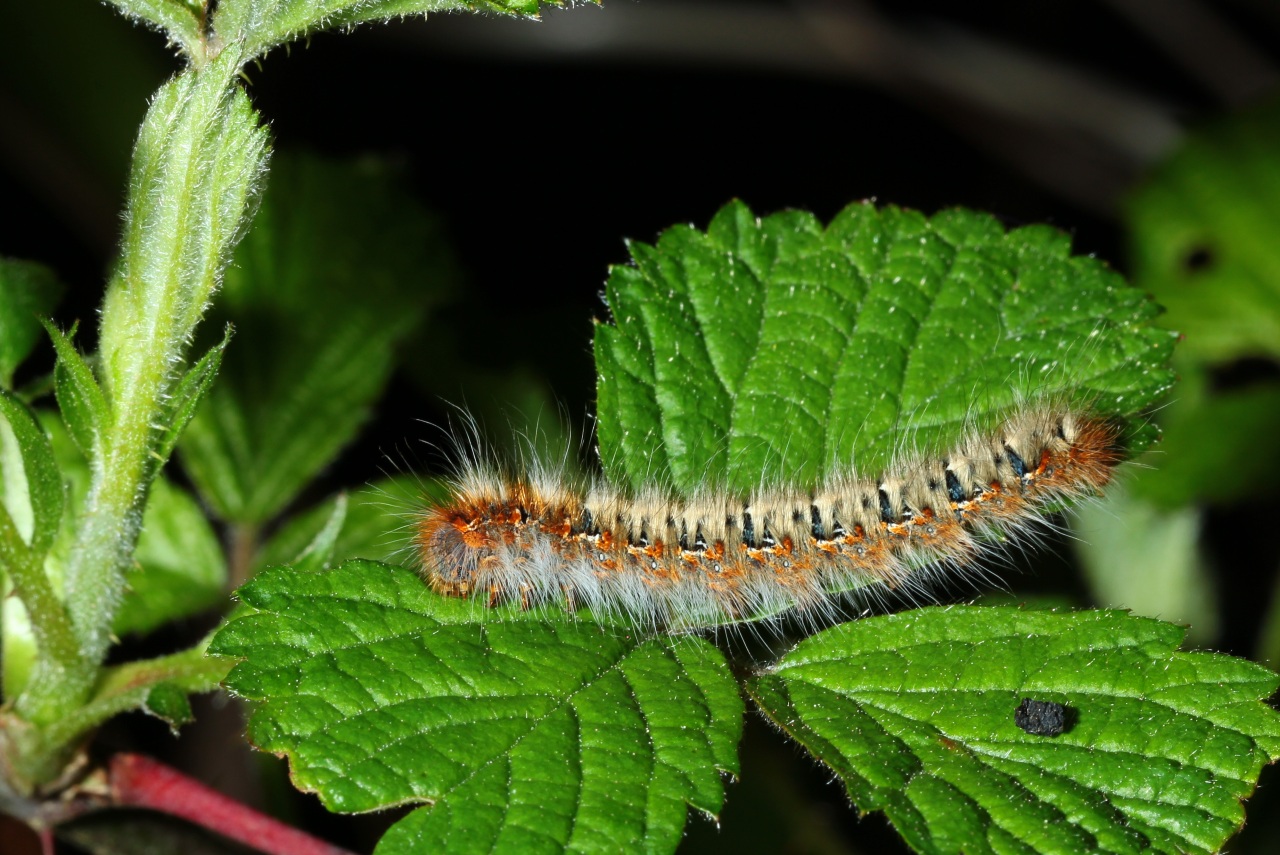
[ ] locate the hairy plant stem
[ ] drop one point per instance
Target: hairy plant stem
(196, 164)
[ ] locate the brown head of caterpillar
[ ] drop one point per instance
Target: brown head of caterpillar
(451, 537)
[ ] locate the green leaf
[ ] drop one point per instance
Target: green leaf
(85, 410)
(1203, 242)
(27, 292)
(339, 267)
(520, 733)
(263, 26)
(169, 703)
(773, 347)
(187, 397)
(915, 713)
(33, 492)
(180, 20)
(180, 568)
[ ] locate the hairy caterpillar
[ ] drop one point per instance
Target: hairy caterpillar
(714, 557)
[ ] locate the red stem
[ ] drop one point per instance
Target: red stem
(138, 781)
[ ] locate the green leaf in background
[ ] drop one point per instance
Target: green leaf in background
(377, 525)
(779, 347)
(1140, 545)
(1147, 558)
(1204, 243)
(521, 733)
(28, 291)
(340, 266)
(1217, 445)
(318, 554)
(915, 713)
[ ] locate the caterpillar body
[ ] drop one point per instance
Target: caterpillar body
(715, 557)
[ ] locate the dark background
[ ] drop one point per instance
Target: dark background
(544, 145)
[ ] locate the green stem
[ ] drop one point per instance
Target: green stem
(199, 156)
(32, 756)
(244, 548)
(126, 687)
